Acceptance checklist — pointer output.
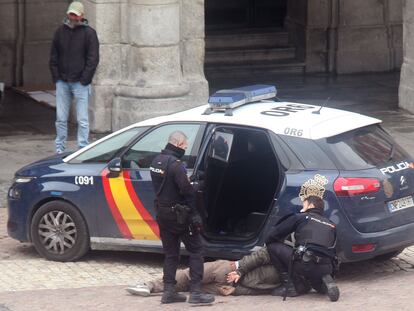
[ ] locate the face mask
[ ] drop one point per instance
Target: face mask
(180, 152)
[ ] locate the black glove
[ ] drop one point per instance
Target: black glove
(196, 223)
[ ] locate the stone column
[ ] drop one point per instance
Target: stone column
(156, 61)
(105, 17)
(406, 92)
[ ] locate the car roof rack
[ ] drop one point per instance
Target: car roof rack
(227, 100)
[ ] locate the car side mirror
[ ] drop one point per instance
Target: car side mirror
(114, 167)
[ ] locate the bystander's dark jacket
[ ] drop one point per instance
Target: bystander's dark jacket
(74, 53)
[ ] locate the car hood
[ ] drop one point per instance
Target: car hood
(33, 168)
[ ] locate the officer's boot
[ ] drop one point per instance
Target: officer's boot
(329, 287)
(302, 286)
(286, 286)
(170, 295)
(196, 296)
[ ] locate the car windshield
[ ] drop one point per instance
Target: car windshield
(105, 151)
(363, 148)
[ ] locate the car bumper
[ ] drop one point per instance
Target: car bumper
(386, 241)
(17, 221)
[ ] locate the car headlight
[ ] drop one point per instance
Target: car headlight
(23, 179)
(15, 193)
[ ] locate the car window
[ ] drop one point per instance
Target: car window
(141, 154)
(308, 152)
(104, 151)
(363, 148)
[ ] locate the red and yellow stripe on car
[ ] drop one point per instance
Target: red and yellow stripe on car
(131, 217)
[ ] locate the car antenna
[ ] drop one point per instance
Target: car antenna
(319, 111)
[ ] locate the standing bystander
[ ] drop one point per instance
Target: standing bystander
(74, 57)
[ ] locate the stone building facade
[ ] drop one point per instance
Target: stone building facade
(153, 51)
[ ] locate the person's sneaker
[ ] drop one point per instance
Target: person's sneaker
(141, 289)
(59, 151)
(199, 297)
(330, 288)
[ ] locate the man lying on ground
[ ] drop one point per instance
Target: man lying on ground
(257, 276)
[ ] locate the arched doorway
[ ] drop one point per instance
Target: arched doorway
(244, 37)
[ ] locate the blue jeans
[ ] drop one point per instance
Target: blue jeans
(65, 92)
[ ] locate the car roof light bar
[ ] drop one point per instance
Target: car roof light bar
(226, 100)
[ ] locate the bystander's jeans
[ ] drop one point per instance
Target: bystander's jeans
(65, 93)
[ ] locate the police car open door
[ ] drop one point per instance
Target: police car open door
(240, 177)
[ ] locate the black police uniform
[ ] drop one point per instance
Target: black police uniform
(314, 253)
(172, 187)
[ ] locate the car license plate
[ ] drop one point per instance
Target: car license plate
(400, 204)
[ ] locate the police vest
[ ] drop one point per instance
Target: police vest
(158, 170)
(316, 230)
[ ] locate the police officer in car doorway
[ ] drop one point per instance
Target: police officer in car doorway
(177, 219)
(313, 259)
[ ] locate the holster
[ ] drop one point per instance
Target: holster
(183, 213)
(305, 255)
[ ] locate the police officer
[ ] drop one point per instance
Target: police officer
(177, 219)
(313, 256)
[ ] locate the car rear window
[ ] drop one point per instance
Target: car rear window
(309, 153)
(363, 148)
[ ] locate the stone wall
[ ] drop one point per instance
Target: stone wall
(42, 18)
(347, 36)
(26, 31)
(407, 71)
(369, 36)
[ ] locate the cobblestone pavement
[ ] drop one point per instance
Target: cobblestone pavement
(21, 268)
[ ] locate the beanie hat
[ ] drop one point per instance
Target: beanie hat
(76, 8)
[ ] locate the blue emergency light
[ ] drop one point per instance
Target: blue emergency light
(225, 100)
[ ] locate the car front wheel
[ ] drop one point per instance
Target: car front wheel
(59, 232)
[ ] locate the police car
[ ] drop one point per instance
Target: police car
(253, 158)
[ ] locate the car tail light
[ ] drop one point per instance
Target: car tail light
(344, 187)
(363, 248)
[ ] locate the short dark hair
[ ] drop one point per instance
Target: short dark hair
(316, 201)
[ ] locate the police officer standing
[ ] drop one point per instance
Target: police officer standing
(177, 219)
(313, 257)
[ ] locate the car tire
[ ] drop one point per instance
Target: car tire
(59, 232)
(388, 256)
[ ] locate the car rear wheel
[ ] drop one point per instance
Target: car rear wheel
(59, 232)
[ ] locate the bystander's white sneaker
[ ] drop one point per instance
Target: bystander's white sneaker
(140, 289)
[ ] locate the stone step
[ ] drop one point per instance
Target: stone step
(231, 56)
(287, 67)
(248, 39)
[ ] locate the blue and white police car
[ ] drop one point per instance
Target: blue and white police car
(255, 159)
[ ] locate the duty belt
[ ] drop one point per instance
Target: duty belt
(302, 253)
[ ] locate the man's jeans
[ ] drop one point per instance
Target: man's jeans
(65, 92)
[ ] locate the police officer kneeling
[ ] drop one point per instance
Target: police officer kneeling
(312, 259)
(177, 219)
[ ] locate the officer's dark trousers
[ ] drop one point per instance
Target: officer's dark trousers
(171, 236)
(281, 254)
